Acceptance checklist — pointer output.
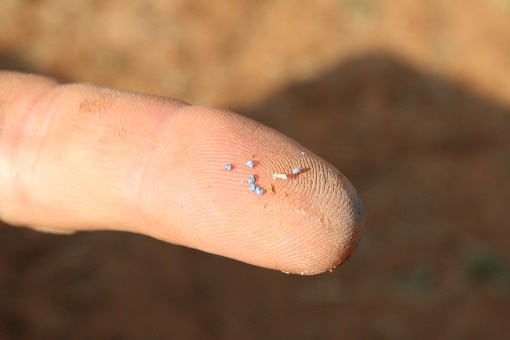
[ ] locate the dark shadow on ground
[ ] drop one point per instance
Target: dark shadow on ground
(431, 161)
(13, 62)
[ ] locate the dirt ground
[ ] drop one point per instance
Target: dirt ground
(410, 99)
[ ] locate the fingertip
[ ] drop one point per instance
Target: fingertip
(340, 227)
(304, 223)
(323, 223)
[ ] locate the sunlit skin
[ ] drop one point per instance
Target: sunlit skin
(76, 157)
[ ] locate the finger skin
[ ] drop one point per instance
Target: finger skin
(78, 157)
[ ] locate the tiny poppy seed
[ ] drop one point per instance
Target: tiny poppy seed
(253, 187)
(296, 171)
(259, 191)
(228, 166)
(251, 179)
(250, 164)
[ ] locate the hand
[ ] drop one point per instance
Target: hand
(78, 157)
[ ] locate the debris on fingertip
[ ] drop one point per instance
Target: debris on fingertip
(281, 176)
(270, 189)
(252, 179)
(296, 171)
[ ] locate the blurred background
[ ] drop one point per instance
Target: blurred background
(411, 100)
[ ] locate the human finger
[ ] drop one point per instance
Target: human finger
(79, 157)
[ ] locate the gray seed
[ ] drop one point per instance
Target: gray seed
(250, 164)
(253, 187)
(251, 179)
(259, 191)
(296, 171)
(228, 167)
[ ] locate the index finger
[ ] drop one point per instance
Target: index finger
(79, 157)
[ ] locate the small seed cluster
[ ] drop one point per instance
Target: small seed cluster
(252, 179)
